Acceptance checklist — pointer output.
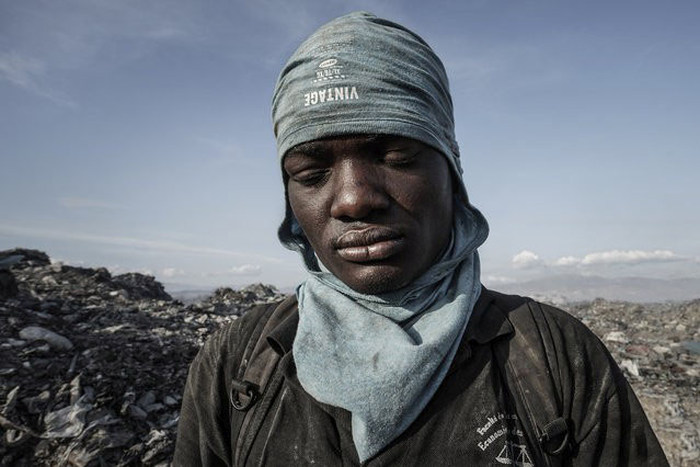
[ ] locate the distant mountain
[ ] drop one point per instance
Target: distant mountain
(560, 289)
(191, 293)
(574, 287)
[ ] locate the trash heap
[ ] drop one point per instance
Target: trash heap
(658, 348)
(227, 301)
(92, 366)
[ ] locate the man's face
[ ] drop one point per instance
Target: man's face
(377, 210)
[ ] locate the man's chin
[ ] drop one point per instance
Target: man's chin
(375, 279)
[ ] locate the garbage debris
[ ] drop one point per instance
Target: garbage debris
(656, 345)
(92, 366)
(37, 333)
(112, 397)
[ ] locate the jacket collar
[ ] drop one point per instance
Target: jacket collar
(487, 322)
(281, 337)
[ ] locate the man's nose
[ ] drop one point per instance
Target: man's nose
(358, 191)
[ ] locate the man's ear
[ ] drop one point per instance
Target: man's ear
(290, 232)
(292, 237)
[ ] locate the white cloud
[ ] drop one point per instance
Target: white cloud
(172, 272)
(567, 261)
(613, 257)
(526, 259)
(26, 72)
(54, 37)
(154, 245)
(496, 279)
(115, 269)
(246, 270)
(629, 257)
(20, 70)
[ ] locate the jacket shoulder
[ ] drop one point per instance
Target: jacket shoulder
(584, 374)
(204, 428)
(228, 343)
(547, 317)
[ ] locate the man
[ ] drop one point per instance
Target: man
(392, 353)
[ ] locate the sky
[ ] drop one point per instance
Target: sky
(137, 136)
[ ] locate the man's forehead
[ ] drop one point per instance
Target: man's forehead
(319, 147)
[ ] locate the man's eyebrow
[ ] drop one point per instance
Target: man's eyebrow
(317, 149)
(310, 149)
(373, 141)
(376, 138)
(389, 142)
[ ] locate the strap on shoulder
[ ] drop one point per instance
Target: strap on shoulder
(529, 365)
(255, 373)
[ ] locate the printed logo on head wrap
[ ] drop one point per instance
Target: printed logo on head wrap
(330, 71)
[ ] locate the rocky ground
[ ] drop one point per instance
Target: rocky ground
(92, 366)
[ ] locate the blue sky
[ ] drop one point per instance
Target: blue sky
(136, 135)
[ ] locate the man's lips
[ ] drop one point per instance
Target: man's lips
(369, 244)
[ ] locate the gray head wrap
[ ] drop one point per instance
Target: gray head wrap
(360, 74)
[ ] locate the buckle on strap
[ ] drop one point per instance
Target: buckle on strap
(555, 437)
(243, 395)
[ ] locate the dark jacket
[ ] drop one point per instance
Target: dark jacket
(469, 421)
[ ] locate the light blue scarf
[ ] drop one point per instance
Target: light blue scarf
(382, 357)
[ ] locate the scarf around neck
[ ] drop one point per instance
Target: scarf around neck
(383, 357)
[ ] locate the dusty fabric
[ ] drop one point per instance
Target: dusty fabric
(382, 357)
(467, 422)
(360, 74)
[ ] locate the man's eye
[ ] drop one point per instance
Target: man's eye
(310, 177)
(399, 158)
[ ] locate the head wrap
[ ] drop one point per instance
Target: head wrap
(360, 74)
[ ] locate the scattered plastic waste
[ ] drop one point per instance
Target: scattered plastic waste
(113, 396)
